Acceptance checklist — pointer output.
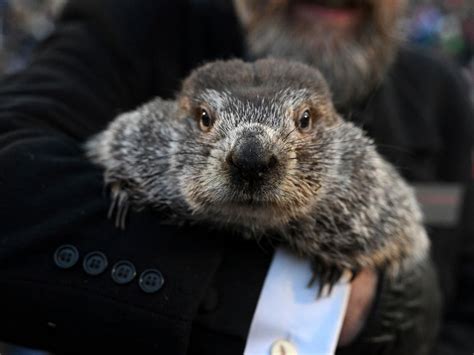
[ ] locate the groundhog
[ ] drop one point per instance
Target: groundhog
(259, 148)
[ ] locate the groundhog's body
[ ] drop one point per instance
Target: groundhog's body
(260, 149)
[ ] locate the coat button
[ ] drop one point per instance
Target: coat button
(95, 263)
(66, 256)
(123, 272)
(151, 281)
(283, 347)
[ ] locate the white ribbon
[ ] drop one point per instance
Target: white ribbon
(289, 310)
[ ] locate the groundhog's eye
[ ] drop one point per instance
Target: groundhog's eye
(205, 120)
(304, 122)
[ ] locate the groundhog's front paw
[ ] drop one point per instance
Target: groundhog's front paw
(119, 204)
(328, 275)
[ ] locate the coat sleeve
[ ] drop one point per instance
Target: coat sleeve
(456, 116)
(438, 123)
(98, 62)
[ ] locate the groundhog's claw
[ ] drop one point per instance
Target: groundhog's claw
(327, 276)
(119, 205)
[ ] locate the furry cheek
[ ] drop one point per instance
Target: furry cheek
(209, 182)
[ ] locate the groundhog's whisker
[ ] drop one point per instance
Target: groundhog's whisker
(284, 139)
(185, 153)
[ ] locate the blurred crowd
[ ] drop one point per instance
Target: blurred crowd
(446, 26)
(24, 23)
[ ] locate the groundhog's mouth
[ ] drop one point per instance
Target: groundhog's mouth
(249, 204)
(266, 213)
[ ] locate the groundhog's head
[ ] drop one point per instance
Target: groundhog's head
(260, 144)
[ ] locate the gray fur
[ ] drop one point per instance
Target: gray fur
(331, 198)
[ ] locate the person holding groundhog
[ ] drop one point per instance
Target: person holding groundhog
(72, 282)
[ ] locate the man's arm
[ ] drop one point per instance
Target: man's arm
(105, 57)
(457, 126)
(97, 64)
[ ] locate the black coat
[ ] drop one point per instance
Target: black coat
(109, 56)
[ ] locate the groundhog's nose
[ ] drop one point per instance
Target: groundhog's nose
(250, 159)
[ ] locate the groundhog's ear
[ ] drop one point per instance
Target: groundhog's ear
(184, 107)
(324, 109)
(184, 104)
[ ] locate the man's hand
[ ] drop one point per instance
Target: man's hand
(363, 292)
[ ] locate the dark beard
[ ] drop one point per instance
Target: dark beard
(353, 65)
